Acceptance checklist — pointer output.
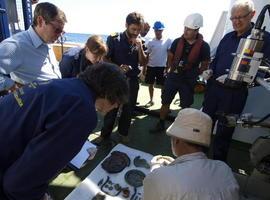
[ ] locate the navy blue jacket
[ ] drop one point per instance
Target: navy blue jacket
(122, 52)
(43, 126)
(73, 62)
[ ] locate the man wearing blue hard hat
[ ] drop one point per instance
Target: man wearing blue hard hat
(158, 26)
(157, 49)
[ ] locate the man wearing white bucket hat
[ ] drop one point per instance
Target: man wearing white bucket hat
(191, 175)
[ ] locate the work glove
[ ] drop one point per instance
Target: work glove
(222, 78)
(207, 74)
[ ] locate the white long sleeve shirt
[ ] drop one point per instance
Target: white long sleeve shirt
(192, 177)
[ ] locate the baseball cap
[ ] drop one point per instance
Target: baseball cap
(193, 126)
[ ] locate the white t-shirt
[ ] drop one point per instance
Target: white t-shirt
(157, 50)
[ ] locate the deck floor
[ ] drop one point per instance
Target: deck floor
(141, 139)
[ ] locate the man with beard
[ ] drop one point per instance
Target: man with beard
(27, 56)
(127, 50)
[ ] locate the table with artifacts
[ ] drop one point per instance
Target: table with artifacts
(119, 176)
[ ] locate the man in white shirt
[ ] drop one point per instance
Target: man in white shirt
(191, 175)
(157, 50)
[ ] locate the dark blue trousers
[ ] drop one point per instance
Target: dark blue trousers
(219, 99)
(177, 83)
(126, 114)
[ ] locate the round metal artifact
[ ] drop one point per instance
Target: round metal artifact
(134, 178)
(140, 162)
(116, 162)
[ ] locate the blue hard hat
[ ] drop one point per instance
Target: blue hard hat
(158, 26)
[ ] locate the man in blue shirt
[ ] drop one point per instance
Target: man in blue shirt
(46, 124)
(127, 50)
(220, 98)
(26, 56)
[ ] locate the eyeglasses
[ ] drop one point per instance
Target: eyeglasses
(56, 28)
(240, 17)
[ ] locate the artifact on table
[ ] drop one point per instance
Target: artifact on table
(116, 162)
(140, 162)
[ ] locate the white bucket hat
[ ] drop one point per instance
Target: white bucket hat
(193, 126)
(194, 21)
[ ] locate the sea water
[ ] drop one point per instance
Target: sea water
(80, 37)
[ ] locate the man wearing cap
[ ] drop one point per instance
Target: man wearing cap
(188, 57)
(191, 175)
(157, 50)
(220, 98)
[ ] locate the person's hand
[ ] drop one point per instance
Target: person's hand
(141, 76)
(125, 68)
(7, 85)
(137, 42)
(222, 78)
(92, 152)
(159, 161)
(47, 197)
(34, 1)
(13, 88)
(207, 74)
(144, 69)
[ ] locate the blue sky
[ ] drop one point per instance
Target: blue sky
(108, 16)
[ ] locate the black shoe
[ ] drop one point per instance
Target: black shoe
(101, 141)
(149, 104)
(160, 127)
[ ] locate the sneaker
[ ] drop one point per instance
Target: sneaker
(160, 127)
(124, 139)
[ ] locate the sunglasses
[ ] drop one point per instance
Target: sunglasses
(57, 29)
(240, 17)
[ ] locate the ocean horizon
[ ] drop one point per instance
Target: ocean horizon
(80, 37)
